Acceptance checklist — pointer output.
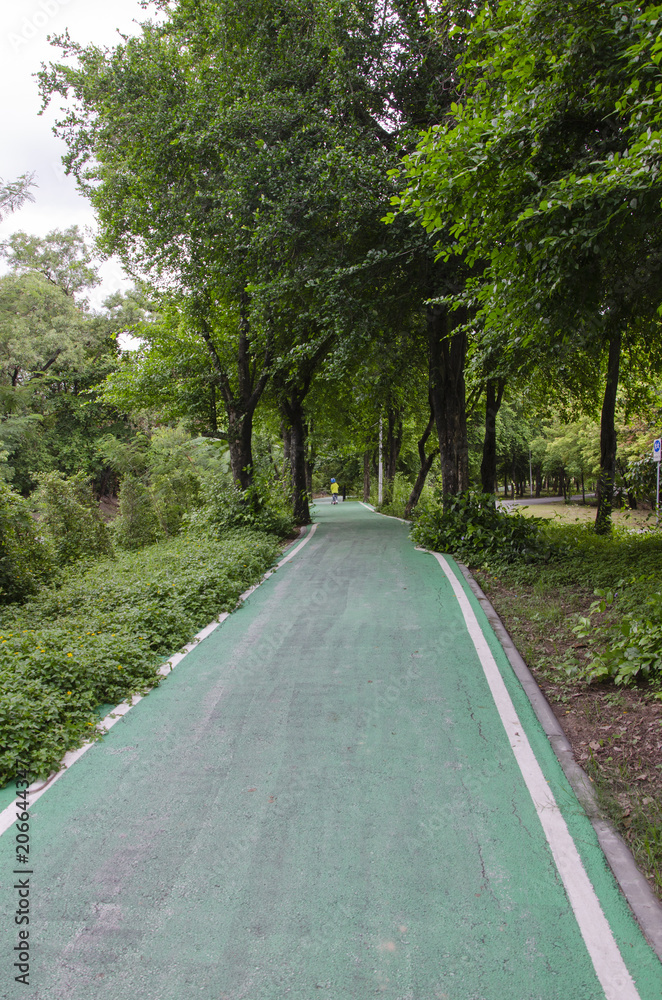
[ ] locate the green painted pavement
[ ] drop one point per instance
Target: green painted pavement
(320, 801)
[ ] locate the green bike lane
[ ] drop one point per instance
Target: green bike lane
(322, 800)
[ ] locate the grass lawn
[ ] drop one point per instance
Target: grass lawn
(577, 513)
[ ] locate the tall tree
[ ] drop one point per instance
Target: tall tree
(62, 257)
(524, 179)
(240, 152)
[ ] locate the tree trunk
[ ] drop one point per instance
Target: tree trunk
(393, 446)
(239, 404)
(240, 440)
(366, 476)
(287, 441)
(213, 415)
(301, 508)
(488, 467)
(273, 461)
(292, 404)
(310, 466)
(447, 352)
(426, 464)
(310, 459)
(608, 439)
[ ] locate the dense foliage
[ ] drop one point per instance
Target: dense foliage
(70, 516)
(26, 559)
(544, 178)
(101, 635)
(476, 530)
(262, 507)
(244, 157)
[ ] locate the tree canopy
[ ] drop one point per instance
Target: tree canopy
(242, 159)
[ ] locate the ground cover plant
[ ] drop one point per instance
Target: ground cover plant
(597, 657)
(101, 634)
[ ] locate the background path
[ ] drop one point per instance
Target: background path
(321, 800)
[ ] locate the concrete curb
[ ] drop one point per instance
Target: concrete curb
(644, 904)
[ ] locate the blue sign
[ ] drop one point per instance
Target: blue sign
(657, 449)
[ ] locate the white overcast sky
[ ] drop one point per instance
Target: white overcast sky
(28, 143)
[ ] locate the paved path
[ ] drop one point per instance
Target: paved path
(509, 503)
(323, 801)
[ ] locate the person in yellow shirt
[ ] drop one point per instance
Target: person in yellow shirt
(334, 491)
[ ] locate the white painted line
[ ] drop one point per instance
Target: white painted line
(607, 960)
(37, 788)
(298, 547)
(402, 520)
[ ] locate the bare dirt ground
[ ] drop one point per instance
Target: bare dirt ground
(109, 507)
(615, 733)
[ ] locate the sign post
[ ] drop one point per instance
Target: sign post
(657, 455)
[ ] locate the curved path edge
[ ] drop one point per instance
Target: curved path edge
(641, 899)
(37, 788)
(643, 902)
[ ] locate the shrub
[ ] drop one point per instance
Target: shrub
(641, 479)
(25, 557)
(262, 507)
(137, 523)
(399, 496)
(71, 517)
(477, 531)
(174, 494)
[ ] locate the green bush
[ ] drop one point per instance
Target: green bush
(137, 523)
(641, 479)
(25, 557)
(399, 496)
(102, 634)
(263, 507)
(174, 494)
(631, 646)
(477, 531)
(71, 517)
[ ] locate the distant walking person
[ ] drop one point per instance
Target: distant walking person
(334, 491)
(344, 493)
